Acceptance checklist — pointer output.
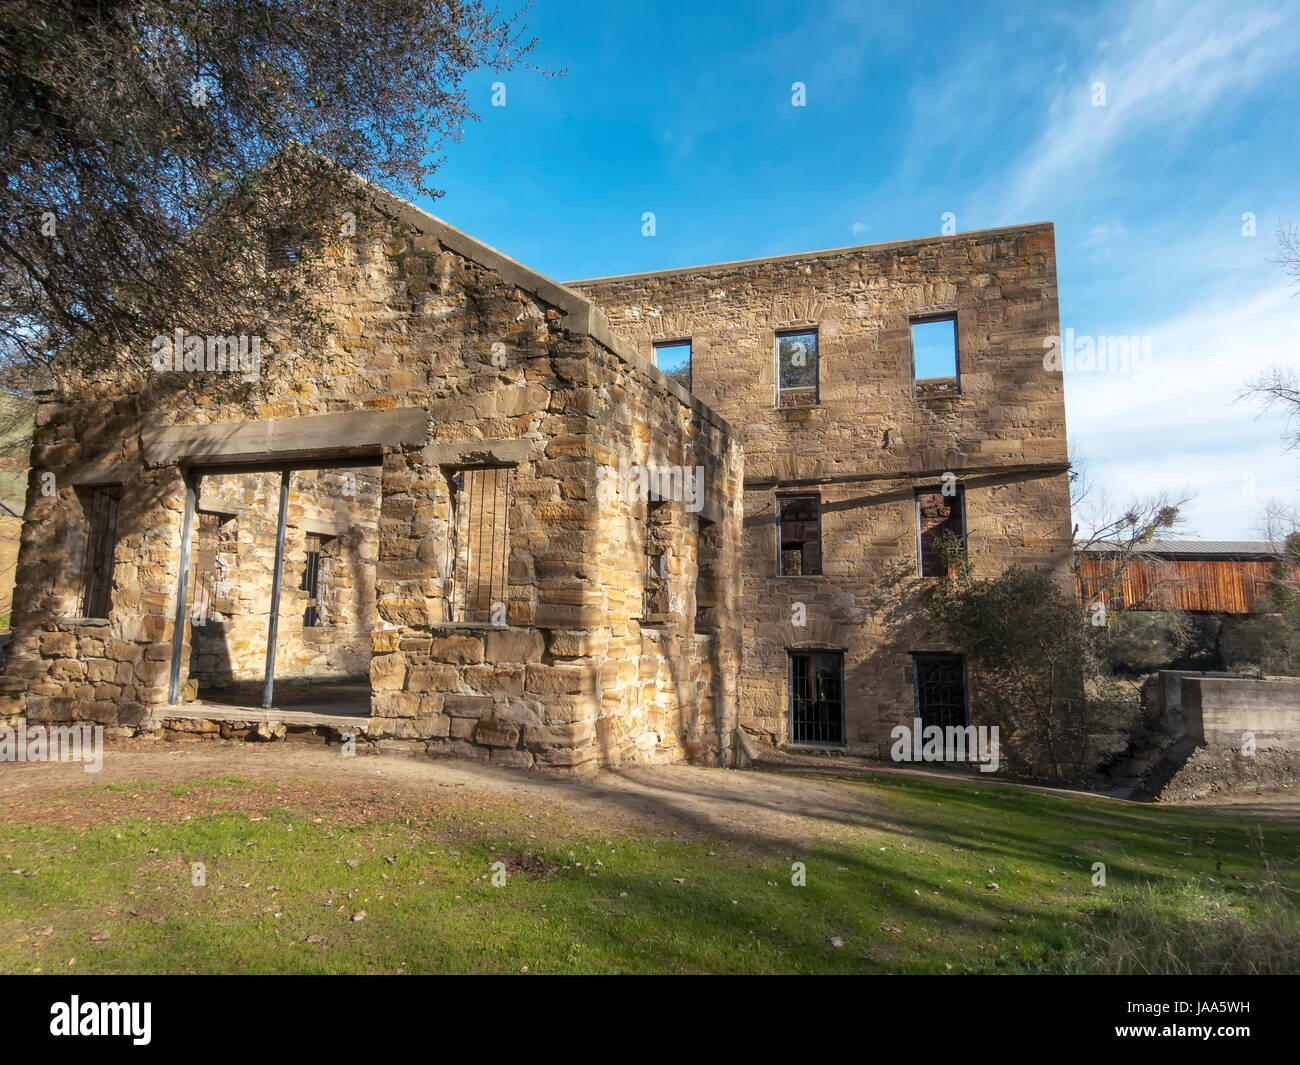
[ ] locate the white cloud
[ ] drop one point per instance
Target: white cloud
(1102, 236)
(1166, 65)
(1182, 425)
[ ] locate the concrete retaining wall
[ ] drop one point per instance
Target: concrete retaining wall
(1219, 710)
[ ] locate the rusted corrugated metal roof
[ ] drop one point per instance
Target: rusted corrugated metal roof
(1198, 548)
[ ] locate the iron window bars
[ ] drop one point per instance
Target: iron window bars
(941, 690)
(479, 544)
(817, 698)
(101, 508)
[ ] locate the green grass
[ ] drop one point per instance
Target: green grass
(909, 892)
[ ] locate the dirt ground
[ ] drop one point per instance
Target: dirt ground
(768, 804)
(682, 801)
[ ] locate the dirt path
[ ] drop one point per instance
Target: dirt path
(679, 800)
(770, 808)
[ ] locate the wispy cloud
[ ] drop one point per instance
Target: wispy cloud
(1182, 425)
(1162, 67)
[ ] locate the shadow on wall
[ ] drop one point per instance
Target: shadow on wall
(89, 435)
(663, 541)
(327, 604)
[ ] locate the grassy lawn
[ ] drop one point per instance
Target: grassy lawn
(953, 878)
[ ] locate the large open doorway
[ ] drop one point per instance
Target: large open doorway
(277, 588)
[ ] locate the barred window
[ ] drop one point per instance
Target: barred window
(480, 544)
(313, 582)
(817, 698)
(940, 690)
(203, 567)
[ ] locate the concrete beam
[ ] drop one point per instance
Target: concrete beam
(96, 473)
(478, 452)
(320, 527)
(285, 439)
(219, 505)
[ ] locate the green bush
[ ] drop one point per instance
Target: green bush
(1037, 667)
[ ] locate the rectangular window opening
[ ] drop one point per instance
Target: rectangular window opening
(206, 585)
(706, 581)
(817, 698)
(799, 536)
(658, 543)
(100, 506)
(941, 690)
(314, 581)
(284, 249)
(674, 358)
(940, 530)
(934, 356)
(796, 368)
(480, 544)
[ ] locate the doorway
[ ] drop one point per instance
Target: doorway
(276, 593)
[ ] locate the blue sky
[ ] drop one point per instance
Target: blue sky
(914, 110)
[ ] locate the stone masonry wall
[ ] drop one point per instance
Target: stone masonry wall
(230, 642)
(504, 378)
(869, 443)
(667, 675)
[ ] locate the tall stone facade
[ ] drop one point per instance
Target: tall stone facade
(550, 553)
(866, 437)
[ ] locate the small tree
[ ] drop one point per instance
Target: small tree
(1035, 665)
(1279, 386)
(133, 129)
(1269, 640)
(1038, 654)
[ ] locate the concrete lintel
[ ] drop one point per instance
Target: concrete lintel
(95, 473)
(274, 439)
(320, 527)
(509, 452)
(217, 505)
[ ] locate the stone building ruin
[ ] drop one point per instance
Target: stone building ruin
(485, 523)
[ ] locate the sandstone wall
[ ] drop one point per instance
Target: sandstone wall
(508, 372)
(869, 442)
(668, 669)
(231, 611)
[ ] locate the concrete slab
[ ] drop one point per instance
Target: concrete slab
(306, 715)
